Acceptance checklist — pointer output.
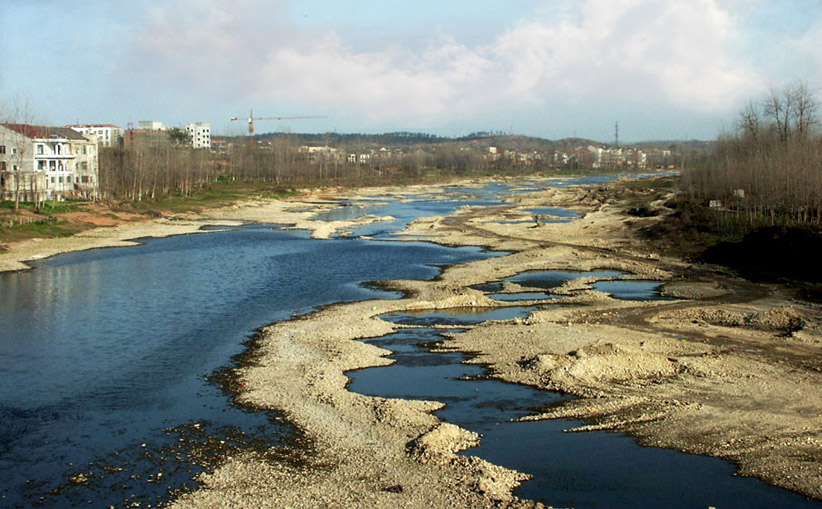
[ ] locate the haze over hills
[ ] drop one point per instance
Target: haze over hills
(482, 139)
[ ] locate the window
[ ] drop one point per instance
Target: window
(39, 149)
(85, 179)
(2, 149)
(2, 165)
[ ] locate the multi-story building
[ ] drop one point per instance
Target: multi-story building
(200, 134)
(108, 135)
(44, 163)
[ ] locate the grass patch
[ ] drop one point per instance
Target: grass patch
(47, 227)
(50, 207)
(219, 194)
(660, 184)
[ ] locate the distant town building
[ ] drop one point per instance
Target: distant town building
(200, 134)
(108, 135)
(151, 125)
(218, 144)
(45, 163)
(142, 138)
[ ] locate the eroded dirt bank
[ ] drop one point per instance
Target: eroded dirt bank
(728, 368)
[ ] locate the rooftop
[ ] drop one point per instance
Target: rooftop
(39, 131)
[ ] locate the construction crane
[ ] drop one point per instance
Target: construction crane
(251, 120)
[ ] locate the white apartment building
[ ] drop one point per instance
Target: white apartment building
(38, 163)
(200, 134)
(108, 135)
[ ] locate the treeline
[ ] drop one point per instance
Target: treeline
(401, 138)
(405, 139)
(160, 165)
(157, 170)
(769, 171)
(153, 172)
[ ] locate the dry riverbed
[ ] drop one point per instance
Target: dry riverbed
(726, 368)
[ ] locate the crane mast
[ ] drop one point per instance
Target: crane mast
(251, 120)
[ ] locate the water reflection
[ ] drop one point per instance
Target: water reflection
(594, 469)
(103, 350)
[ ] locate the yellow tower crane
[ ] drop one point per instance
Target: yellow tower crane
(251, 120)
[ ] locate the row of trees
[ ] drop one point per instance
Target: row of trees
(154, 170)
(770, 169)
(161, 167)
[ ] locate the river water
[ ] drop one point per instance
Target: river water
(105, 355)
(102, 351)
(583, 470)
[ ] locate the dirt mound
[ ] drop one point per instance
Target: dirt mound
(783, 320)
(442, 442)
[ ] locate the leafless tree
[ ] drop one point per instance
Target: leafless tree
(771, 168)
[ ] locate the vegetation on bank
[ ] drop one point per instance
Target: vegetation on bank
(754, 203)
(778, 253)
(60, 219)
(30, 222)
(769, 171)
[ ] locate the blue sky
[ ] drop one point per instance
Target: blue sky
(665, 69)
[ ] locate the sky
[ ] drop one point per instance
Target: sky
(663, 69)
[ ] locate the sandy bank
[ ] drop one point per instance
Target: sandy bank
(295, 213)
(677, 373)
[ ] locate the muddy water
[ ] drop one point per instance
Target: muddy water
(595, 469)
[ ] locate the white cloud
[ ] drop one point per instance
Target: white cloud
(596, 50)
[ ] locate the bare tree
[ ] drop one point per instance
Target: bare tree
(805, 110)
(18, 110)
(772, 167)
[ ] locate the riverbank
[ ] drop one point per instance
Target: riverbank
(729, 368)
(123, 229)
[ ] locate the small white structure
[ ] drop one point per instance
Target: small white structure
(200, 134)
(151, 125)
(108, 135)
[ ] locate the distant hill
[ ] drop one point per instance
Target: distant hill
(480, 139)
